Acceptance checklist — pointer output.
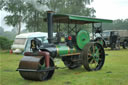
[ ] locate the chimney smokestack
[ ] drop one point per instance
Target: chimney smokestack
(50, 26)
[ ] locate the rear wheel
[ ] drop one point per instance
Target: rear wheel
(93, 56)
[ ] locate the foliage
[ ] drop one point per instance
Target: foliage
(17, 10)
(34, 19)
(5, 43)
(32, 12)
(8, 34)
(1, 4)
(76, 7)
(118, 24)
(1, 31)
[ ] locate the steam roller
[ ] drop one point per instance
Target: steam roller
(73, 46)
(36, 66)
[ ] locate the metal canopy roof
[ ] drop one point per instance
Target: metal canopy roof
(75, 19)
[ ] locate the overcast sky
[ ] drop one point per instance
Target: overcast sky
(111, 9)
(107, 9)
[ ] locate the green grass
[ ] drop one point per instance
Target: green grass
(114, 72)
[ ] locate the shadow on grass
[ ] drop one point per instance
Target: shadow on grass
(67, 71)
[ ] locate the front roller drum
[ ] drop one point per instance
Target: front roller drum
(93, 56)
(34, 68)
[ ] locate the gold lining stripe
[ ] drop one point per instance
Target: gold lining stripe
(71, 54)
(57, 51)
(74, 50)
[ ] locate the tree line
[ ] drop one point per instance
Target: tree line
(118, 24)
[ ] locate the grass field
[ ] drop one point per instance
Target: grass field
(114, 72)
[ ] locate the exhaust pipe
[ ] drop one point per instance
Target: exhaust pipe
(50, 26)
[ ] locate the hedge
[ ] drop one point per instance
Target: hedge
(5, 43)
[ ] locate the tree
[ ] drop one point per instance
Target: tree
(1, 4)
(34, 19)
(76, 7)
(17, 10)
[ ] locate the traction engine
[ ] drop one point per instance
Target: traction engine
(71, 45)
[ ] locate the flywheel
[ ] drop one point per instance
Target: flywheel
(82, 38)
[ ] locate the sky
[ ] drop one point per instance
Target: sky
(111, 9)
(106, 9)
(2, 22)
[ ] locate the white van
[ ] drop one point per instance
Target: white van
(22, 41)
